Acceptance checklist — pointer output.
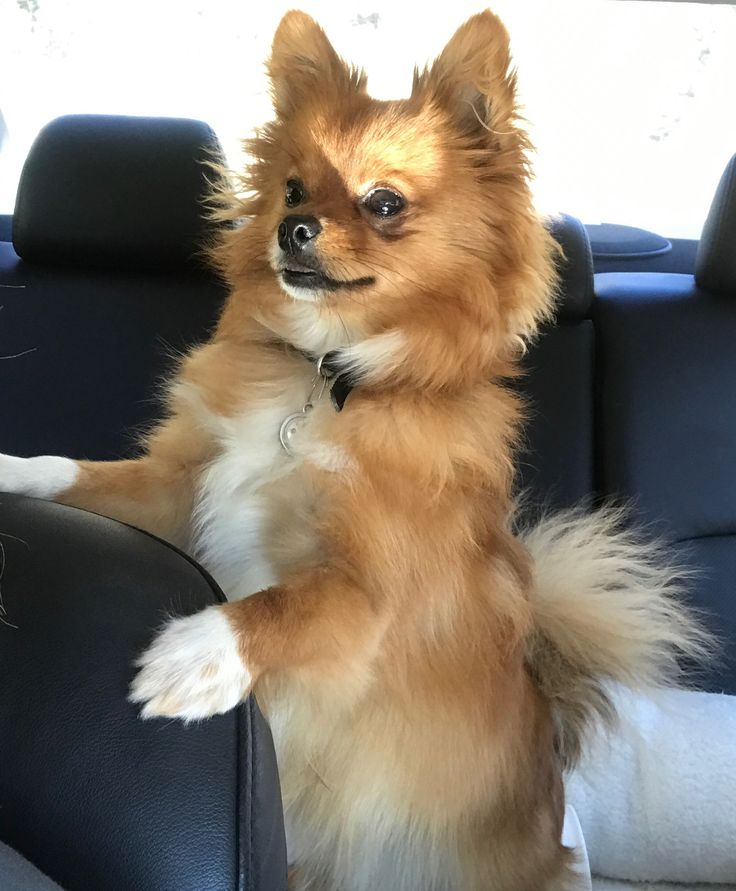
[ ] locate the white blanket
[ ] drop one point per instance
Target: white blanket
(657, 799)
(611, 885)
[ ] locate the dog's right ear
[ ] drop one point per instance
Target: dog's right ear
(303, 62)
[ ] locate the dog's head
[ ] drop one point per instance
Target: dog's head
(393, 215)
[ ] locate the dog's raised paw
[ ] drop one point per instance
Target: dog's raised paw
(193, 669)
(44, 476)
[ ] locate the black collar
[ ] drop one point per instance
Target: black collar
(340, 390)
(339, 382)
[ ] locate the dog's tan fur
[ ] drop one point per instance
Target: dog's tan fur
(422, 691)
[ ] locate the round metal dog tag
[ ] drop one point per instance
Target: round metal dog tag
(290, 427)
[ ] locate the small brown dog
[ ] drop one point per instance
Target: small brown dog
(428, 675)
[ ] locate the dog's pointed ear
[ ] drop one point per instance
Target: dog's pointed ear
(474, 79)
(303, 61)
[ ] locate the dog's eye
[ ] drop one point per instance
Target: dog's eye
(295, 192)
(384, 202)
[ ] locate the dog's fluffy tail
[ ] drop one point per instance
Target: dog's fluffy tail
(608, 610)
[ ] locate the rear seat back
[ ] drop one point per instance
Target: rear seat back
(556, 467)
(666, 409)
(102, 286)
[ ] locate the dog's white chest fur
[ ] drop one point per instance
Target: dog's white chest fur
(254, 512)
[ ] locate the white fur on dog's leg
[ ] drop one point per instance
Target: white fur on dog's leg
(192, 670)
(43, 477)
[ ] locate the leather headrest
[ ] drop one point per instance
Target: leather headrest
(115, 192)
(575, 268)
(715, 264)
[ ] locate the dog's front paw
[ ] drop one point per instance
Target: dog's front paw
(192, 670)
(43, 477)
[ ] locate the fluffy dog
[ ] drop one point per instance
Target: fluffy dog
(340, 456)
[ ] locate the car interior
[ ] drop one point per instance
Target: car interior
(104, 284)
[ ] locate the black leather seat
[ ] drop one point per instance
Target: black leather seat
(103, 287)
(666, 410)
(631, 397)
(556, 466)
(93, 796)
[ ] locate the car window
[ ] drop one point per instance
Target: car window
(630, 102)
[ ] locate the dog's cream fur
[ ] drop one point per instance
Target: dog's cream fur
(194, 668)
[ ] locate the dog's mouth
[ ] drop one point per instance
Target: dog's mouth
(298, 276)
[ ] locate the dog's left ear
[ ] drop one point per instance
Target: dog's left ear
(474, 79)
(303, 63)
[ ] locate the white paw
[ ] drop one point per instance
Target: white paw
(43, 477)
(192, 670)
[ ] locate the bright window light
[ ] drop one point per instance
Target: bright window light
(630, 103)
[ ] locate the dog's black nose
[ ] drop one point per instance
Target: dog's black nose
(297, 232)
